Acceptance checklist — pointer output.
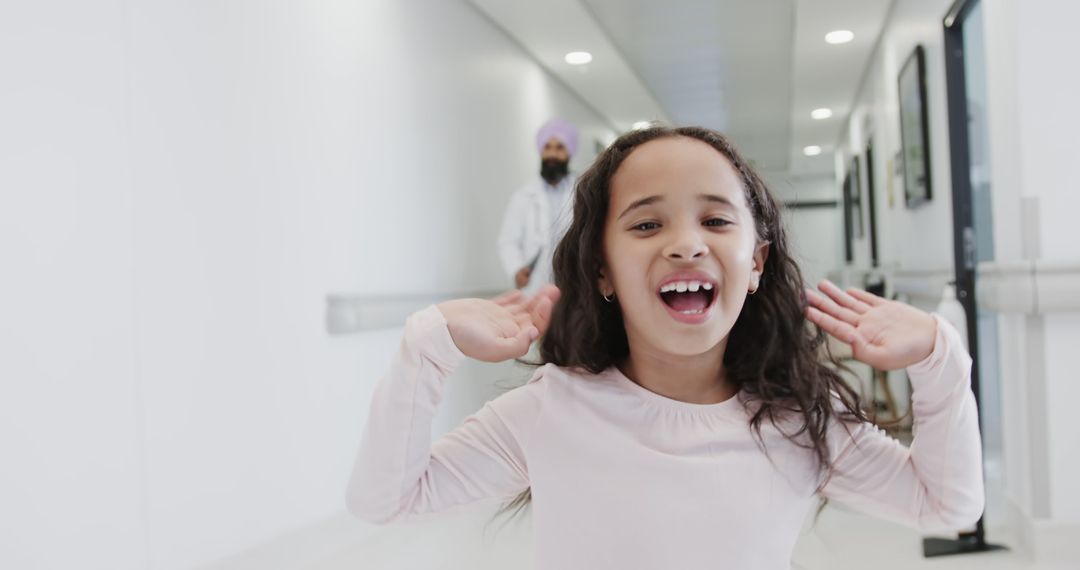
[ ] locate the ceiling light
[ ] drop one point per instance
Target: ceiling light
(839, 37)
(641, 125)
(578, 57)
(821, 113)
(812, 150)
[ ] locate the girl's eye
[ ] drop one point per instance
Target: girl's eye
(645, 226)
(717, 222)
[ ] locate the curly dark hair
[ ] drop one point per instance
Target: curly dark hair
(773, 355)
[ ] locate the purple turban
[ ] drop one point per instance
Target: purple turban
(561, 130)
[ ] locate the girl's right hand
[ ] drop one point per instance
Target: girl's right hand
(502, 328)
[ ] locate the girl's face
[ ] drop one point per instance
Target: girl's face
(680, 249)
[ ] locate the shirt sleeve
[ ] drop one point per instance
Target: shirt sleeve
(937, 483)
(399, 473)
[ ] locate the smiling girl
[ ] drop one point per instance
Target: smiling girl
(684, 417)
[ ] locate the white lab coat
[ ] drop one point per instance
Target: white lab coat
(531, 231)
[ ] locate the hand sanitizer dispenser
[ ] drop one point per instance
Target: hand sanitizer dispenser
(952, 311)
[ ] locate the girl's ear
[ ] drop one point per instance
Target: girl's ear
(761, 253)
(603, 283)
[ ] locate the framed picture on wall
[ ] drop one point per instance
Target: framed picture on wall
(856, 211)
(848, 230)
(914, 129)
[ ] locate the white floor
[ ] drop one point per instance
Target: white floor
(840, 540)
(468, 539)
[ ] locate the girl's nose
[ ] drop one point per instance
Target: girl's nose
(686, 245)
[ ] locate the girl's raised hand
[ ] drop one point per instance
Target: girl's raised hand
(885, 334)
(501, 328)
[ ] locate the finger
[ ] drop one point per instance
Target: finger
(835, 327)
(826, 305)
(523, 319)
(537, 312)
(546, 292)
(549, 292)
(541, 316)
(842, 298)
(518, 305)
(503, 321)
(518, 344)
(509, 298)
(866, 297)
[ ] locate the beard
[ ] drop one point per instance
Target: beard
(553, 170)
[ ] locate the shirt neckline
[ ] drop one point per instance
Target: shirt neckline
(732, 406)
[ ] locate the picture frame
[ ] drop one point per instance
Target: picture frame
(849, 240)
(858, 230)
(914, 129)
(851, 192)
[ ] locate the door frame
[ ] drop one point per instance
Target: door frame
(964, 244)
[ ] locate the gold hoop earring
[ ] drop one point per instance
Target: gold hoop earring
(757, 285)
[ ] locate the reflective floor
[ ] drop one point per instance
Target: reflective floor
(840, 540)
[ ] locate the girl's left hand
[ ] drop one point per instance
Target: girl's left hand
(885, 334)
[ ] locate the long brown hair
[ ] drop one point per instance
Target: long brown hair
(772, 356)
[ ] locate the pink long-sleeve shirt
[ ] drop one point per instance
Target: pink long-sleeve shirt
(624, 478)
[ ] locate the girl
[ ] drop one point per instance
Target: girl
(684, 417)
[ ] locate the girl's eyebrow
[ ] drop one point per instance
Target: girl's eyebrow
(639, 203)
(658, 198)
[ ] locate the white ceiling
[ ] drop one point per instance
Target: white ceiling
(825, 75)
(751, 68)
(722, 65)
(550, 29)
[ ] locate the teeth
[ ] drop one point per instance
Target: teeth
(697, 312)
(684, 286)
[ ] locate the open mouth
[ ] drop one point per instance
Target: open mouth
(690, 297)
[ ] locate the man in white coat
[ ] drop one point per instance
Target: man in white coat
(539, 213)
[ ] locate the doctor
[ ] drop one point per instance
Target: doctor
(539, 213)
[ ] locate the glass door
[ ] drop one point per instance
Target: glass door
(973, 236)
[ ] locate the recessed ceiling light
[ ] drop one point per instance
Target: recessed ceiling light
(839, 37)
(821, 113)
(578, 57)
(640, 125)
(812, 150)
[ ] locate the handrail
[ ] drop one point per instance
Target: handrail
(349, 313)
(1029, 287)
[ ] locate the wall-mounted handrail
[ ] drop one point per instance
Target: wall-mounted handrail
(349, 313)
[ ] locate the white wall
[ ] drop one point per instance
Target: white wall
(1048, 123)
(183, 182)
(816, 234)
(918, 239)
(71, 486)
(1033, 122)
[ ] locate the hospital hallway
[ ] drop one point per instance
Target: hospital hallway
(216, 217)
